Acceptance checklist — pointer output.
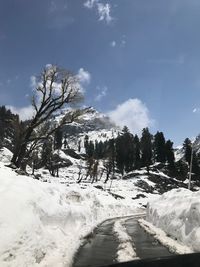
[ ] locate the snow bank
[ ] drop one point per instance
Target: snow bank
(5, 155)
(177, 212)
(173, 246)
(41, 224)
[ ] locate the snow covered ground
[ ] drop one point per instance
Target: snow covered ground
(42, 224)
(177, 212)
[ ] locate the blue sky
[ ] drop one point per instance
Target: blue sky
(139, 60)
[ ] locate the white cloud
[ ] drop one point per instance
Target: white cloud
(102, 94)
(84, 76)
(103, 10)
(33, 82)
(196, 110)
(113, 43)
(132, 113)
(90, 3)
(24, 113)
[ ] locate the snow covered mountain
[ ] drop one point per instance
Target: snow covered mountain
(94, 124)
(179, 151)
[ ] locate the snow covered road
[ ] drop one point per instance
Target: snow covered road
(118, 240)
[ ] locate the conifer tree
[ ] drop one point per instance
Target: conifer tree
(187, 146)
(159, 147)
(137, 158)
(129, 152)
(120, 154)
(195, 164)
(10, 126)
(169, 153)
(90, 149)
(98, 149)
(146, 148)
(86, 144)
(125, 151)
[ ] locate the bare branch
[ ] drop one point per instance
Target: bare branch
(56, 88)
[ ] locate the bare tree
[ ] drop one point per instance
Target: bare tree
(95, 171)
(55, 88)
(108, 168)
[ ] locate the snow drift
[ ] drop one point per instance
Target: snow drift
(41, 224)
(177, 212)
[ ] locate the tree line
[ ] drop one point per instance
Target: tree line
(128, 152)
(125, 153)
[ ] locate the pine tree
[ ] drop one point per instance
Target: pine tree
(129, 149)
(169, 153)
(170, 157)
(111, 154)
(195, 164)
(86, 144)
(137, 158)
(187, 146)
(120, 154)
(98, 150)
(90, 149)
(159, 147)
(125, 151)
(9, 128)
(146, 148)
(181, 170)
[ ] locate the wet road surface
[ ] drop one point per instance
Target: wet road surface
(101, 248)
(145, 245)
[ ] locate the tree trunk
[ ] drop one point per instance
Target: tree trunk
(20, 153)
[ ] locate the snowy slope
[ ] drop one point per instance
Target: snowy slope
(41, 224)
(177, 212)
(178, 153)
